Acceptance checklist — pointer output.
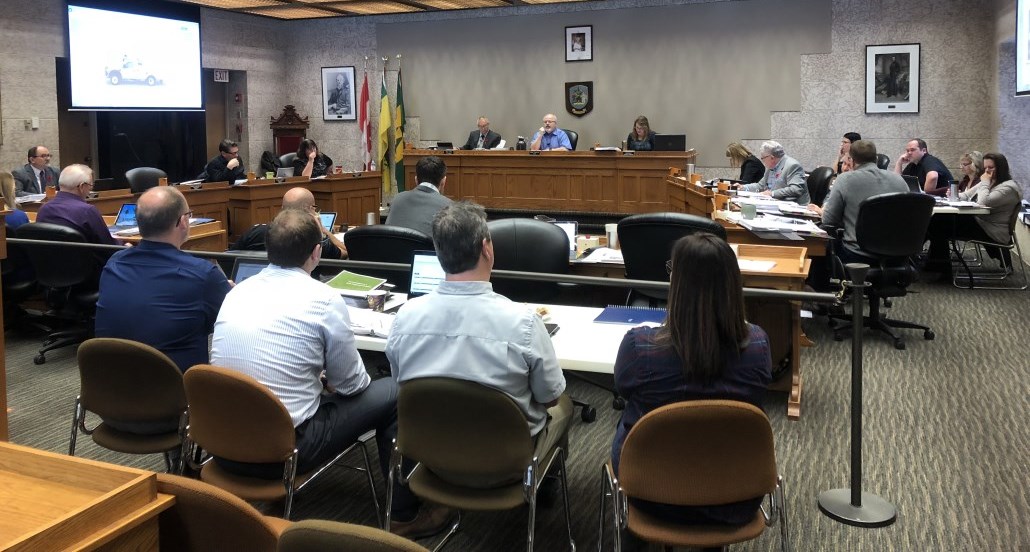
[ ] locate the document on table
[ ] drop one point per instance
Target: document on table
(604, 255)
(755, 266)
(781, 224)
(31, 198)
(370, 322)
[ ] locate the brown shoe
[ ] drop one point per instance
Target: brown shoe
(432, 519)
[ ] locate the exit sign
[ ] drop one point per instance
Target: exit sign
(221, 75)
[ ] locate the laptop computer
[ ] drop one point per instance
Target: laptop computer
(284, 172)
(426, 273)
(570, 227)
(245, 268)
(913, 183)
(445, 145)
(126, 219)
(328, 220)
(670, 142)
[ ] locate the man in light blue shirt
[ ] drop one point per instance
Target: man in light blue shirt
(550, 137)
(464, 330)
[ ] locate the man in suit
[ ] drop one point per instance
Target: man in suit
(784, 178)
(483, 138)
(416, 208)
(37, 174)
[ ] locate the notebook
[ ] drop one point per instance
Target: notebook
(284, 172)
(570, 227)
(426, 273)
(245, 268)
(354, 284)
(670, 142)
(631, 315)
(126, 219)
(328, 220)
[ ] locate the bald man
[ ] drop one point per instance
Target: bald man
(300, 199)
(482, 137)
(550, 137)
(69, 207)
(155, 293)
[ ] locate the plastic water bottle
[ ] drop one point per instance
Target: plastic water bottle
(372, 167)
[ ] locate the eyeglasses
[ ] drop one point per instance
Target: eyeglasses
(187, 214)
(47, 156)
(237, 152)
(315, 209)
(668, 267)
(764, 157)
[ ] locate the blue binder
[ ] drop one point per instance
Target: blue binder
(631, 315)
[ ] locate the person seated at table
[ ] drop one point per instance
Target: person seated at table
(226, 166)
(16, 217)
(550, 137)
(642, 137)
(931, 173)
(972, 166)
(416, 208)
(704, 350)
(845, 146)
(751, 169)
(310, 162)
(995, 190)
(784, 179)
(482, 137)
(303, 200)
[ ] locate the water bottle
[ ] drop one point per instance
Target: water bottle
(953, 190)
(372, 167)
(521, 143)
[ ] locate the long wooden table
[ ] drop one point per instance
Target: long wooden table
(579, 181)
(349, 195)
(781, 320)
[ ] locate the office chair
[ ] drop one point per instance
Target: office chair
(695, 453)
(205, 517)
(234, 417)
(981, 279)
(388, 244)
(287, 159)
(573, 137)
(313, 535)
(129, 384)
(70, 276)
(646, 241)
(883, 161)
(451, 447)
(19, 284)
(142, 179)
(891, 229)
(819, 184)
(528, 245)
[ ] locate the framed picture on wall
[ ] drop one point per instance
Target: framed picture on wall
(338, 94)
(579, 43)
(892, 78)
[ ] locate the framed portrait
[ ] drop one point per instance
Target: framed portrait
(892, 78)
(579, 43)
(338, 94)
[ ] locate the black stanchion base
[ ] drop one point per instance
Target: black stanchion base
(874, 512)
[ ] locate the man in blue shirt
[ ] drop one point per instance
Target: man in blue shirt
(550, 137)
(156, 294)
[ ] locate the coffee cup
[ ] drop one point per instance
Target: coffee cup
(269, 175)
(611, 230)
(376, 300)
(371, 218)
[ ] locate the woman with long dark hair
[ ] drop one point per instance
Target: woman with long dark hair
(705, 350)
(310, 161)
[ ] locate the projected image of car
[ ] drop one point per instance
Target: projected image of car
(130, 71)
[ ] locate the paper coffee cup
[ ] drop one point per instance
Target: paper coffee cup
(612, 231)
(376, 300)
(371, 218)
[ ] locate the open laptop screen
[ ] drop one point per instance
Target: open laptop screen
(284, 172)
(913, 183)
(570, 227)
(670, 142)
(426, 273)
(245, 268)
(328, 220)
(126, 215)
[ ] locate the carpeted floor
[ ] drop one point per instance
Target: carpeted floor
(946, 436)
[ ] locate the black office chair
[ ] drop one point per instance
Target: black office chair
(891, 229)
(388, 244)
(528, 245)
(70, 276)
(573, 137)
(819, 184)
(883, 161)
(646, 241)
(287, 159)
(19, 284)
(142, 179)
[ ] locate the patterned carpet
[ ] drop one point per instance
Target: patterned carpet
(946, 436)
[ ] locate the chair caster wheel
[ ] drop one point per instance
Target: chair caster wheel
(588, 415)
(39, 359)
(618, 403)
(929, 335)
(899, 344)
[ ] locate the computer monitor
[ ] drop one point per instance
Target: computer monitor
(284, 172)
(570, 227)
(445, 145)
(426, 273)
(670, 142)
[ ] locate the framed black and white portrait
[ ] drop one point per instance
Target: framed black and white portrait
(338, 94)
(892, 78)
(579, 43)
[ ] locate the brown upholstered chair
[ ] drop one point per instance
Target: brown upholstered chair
(129, 384)
(233, 416)
(205, 517)
(695, 453)
(316, 535)
(435, 430)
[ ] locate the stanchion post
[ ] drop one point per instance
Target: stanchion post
(852, 506)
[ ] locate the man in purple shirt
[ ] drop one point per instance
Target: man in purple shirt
(69, 207)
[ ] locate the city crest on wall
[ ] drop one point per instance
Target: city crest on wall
(892, 78)
(579, 97)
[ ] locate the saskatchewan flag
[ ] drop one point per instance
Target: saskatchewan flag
(398, 136)
(384, 137)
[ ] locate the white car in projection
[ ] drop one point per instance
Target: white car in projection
(130, 71)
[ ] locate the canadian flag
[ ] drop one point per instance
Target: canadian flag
(365, 124)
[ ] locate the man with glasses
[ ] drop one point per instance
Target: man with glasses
(36, 175)
(226, 166)
(784, 178)
(483, 137)
(155, 293)
(69, 207)
(550, 137)
(300, 199)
